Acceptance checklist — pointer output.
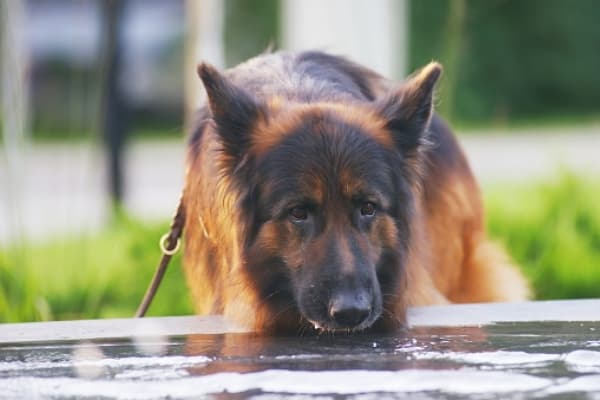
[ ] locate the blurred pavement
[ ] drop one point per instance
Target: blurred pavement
(62, 190)
(523, 155)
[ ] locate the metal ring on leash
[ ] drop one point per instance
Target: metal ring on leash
(167, 239)
(163, 245)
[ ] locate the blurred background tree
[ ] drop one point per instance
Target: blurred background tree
(506, 60)
(512, 60)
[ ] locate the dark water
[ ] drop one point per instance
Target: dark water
(505, 361)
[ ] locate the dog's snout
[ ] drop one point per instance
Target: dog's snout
(350, 309)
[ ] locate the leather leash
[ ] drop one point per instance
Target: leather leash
(169, 245)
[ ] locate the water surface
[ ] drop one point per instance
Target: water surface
(505, 360)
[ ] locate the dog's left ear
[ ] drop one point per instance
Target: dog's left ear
(408, 110)
(232, 108)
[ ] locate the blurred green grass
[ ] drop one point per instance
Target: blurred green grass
(97, 276)
(551, 229)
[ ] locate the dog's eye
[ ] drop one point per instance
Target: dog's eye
(367, 209)
(299, 213)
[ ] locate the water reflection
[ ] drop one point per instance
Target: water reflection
(520, 359)
(251, 353)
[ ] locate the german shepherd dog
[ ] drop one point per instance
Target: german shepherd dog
(321, 196)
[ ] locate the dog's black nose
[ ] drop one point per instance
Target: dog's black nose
(350, 309)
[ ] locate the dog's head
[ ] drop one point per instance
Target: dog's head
(326, 196)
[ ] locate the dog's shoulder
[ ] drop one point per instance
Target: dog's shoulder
(444, 155)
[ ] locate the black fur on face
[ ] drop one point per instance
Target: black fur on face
(328, 226)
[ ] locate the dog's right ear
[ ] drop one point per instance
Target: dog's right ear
(233, 110)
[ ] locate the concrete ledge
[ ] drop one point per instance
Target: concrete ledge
(489, 313)
(448, 315)
(115, 328)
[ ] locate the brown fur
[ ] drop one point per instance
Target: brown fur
(448, 257)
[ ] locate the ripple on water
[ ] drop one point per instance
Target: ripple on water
(284, 381)
(498, 358)
(587, 383)
(125, 362)
(583, 361)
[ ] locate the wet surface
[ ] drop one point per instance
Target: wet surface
(506, 360)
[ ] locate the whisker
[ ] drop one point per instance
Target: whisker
(279, 314)
(387, 312)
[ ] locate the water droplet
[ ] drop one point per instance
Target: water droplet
(149, 338)
(86, 357)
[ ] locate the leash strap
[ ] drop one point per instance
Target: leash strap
(169, 245)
